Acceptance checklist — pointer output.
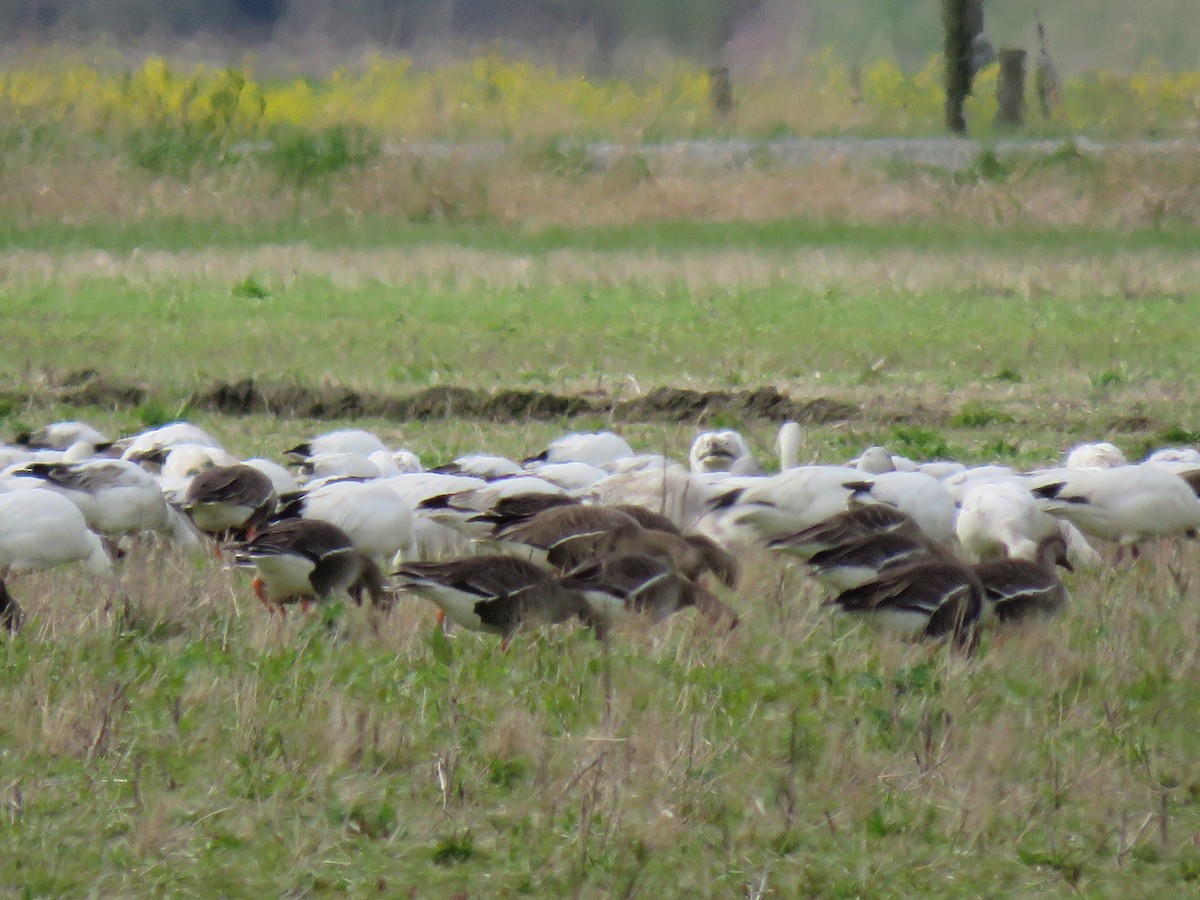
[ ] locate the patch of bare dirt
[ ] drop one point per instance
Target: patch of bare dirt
(331, 401)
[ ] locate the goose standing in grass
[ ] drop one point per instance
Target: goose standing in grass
(349, 440)
(230, 502)
(378, 521)
(1019, 590)
(794, 499)
(495, 594)
(62, 436)
(672, 491)
(929, 599)
(601, 448)
(155, 442)
(1124, 504)
(634, 584)
(1100, 455)
(41, 529)
(566, 537)
(303, 560)
(921, 496)
(116, 497)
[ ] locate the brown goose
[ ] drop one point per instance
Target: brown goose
(934, 598)
(1018, 590)
(570, 536)
(301, 560)
(637, 584)
(495, 594)
(11, 614)
(847, 528)
(230, 501)
(867, 558)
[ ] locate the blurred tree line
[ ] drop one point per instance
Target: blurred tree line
(688, 25)
(1086, 34)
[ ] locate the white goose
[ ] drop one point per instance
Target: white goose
(921, 496)
(377, 519)
(62, 435)
(40, 529)
(600, 448)
(722, 451)
(1124, 504)
(116, 497)
(1100, 455)
(350, 440)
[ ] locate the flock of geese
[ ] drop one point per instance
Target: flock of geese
(589, 530)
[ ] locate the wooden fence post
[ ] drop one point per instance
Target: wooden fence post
(720, 90)
(962, 20)
(1010, 90)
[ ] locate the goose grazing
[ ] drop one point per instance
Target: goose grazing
(867, 558)
(1019, 590)
(872, 520)
(601, 448)
(341, 464)
(495, 594)
(302, 560)
(791, 501)
(1002, 520)
(1101, 455)
(230, 502)
(479, 512)
(378, 521)
(154, 443)
(930, 599)
(874, 461)
(925, 499)
(1124, 504)
(566, 537)
(12, 617)
(116, 497)
(673, 491)
(281, 479)
(722, 451)
(350, 440)
(41, 529)
(63, 435)
(188, 460)
(630, 584)
(482, 466)
(570, 476)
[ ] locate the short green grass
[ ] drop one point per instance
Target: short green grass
(160, 734)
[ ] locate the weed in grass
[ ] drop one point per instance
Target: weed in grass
(975, 414)
(920, 442)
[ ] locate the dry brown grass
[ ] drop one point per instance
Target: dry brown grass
(1113, 190)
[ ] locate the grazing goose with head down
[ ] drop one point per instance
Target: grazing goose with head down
(928, 599)
(629, 584)
(1124, 504)
(230, 502)
(301, 560)
(116, 497)
(566, 537)
(1019, 590)
(495, 594)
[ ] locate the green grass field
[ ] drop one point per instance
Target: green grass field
(160, 735)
